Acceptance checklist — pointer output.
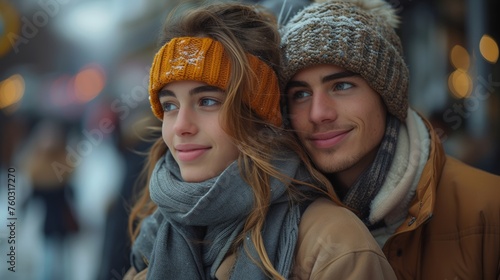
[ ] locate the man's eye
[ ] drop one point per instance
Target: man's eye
(342, 86)
(300, 94)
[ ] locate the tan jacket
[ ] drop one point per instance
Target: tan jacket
(333, 244)
(453, 227)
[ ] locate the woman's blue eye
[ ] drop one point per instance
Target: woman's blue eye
(208, 102)
(168, 106)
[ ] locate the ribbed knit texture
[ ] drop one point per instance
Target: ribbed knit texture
(204, 60)
(354, 37)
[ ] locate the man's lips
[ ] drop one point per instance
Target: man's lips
(328, 139)
(190, 152)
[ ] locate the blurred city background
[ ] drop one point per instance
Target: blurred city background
(74, 115)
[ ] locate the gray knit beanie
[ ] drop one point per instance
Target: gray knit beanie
(358, 35)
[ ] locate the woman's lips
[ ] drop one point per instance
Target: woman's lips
(329, 139)
(190, 152)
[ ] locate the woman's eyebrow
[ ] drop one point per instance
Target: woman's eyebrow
(204, 89)
(194, 91)
(165, 92)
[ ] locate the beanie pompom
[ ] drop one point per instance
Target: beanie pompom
(378, 8)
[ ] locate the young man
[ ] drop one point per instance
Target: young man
(347, 99)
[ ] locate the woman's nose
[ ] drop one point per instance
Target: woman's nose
(185, 122)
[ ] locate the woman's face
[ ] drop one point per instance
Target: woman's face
(192, 131)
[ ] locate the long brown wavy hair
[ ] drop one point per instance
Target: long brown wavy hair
(241, 29)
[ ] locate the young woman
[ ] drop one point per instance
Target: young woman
(230, 195)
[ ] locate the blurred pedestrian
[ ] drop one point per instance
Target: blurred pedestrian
(53, 189)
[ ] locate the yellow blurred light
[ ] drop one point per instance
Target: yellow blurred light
(11, 91)
(460, 84)
(460, 57)
(9, 26)
(489, 48)
(89, 82)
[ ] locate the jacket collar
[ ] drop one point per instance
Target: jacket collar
(422, 206)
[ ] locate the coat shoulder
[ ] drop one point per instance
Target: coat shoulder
(469, 183)
(334, 243)
(466, 198)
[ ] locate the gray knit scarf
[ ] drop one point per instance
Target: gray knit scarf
(192, 231)
(360, 195)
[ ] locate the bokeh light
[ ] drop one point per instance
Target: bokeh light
(9, 26)
(459, 57)
(460, 84)
(11, 91)
(489, 48)
(89, 82)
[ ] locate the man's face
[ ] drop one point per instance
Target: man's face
(338, 118)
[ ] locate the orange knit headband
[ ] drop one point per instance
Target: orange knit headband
(204, 59)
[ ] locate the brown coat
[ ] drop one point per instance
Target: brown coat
(453, 227)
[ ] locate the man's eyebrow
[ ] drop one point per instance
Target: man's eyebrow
(338, 75)
(196, 90)
(325, 79)
(292, 84)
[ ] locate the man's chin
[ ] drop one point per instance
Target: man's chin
(326, 165)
